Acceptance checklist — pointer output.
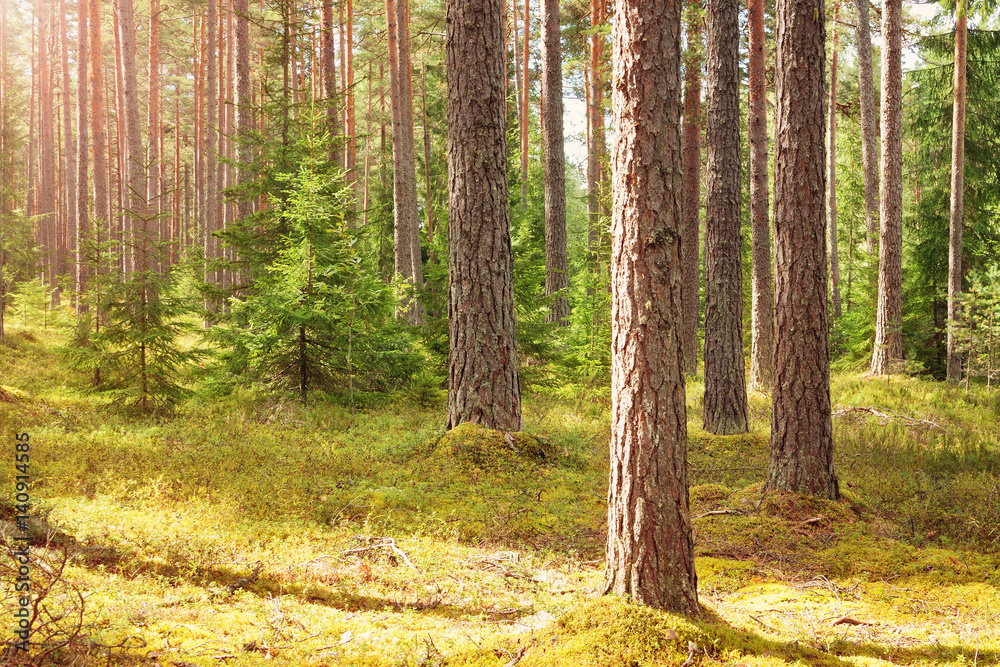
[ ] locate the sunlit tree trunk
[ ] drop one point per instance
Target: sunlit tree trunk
(46, 149)
(330, 78)
(244, 119)
(209, 140)
(801, 458)
(869, 130)
(135, 181)
(725, 384)
(650, 551)
(408, 262)
(98, 126)
(762, 308)
(525, 96)
(889, 314)
(81, 221)
(690, 222)
(69, 153)
(831, 200)
(556, 262)
(483, 385)
(154, 170)
(957, 192)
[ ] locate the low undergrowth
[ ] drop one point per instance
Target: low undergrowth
(249, 529)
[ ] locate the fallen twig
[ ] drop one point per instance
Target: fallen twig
(892, 414)
(517, 658)
(720, 512)
(379, 543)
(846, 620)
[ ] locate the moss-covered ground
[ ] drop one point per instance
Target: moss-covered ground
(248, 529)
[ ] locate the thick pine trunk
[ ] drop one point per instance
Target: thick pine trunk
(650, 552)
(725, 384)
(801, 428)
(330, 78)
(690, 222)
(81, 220)
(831, 180)
(869, 130)
(408, 262)
(762, 308)
(556, 263)
(889, 314)
(483, 385)
(957, 192)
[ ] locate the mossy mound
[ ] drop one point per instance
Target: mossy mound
(612, 632)
(487, 448)
(706, 495)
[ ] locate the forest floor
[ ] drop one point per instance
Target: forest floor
(246, 530)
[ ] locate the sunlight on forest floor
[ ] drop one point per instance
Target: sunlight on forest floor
(248, 530)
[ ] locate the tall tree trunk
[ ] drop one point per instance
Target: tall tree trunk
(209, 142)
(954, 370)
(154, 160)
(352, 148)
(596, 148)
(690, 225)
(725, 385)
(831, 206)
(47, 149)
(4, 158)
(98, 123)
(762, 309)
(889, 315)
(81, 219)
(650, 551)
(428, 201)
(135, 181)
(483, 385)
(408, 262)
(869, 130)
(525, 95)
(330, 78)
(69, 152)
(556, 263)
(801, 428)
(244, 119)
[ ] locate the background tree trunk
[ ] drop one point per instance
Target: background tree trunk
(650, 553)
(801, 428)
(690, 222)
(330, 77)
(889, 315)
(556, 263)
(831, 201)
(869, 131)
(135, 181)
(525, 97)
(244, 110)
(957, 191)
(81, 221)
(762, 307)
(209, 143)
(46, 151)
(725, 385)
(69, 155)
(483, 385)
(154, 160)
(98, 127)
(408, 261)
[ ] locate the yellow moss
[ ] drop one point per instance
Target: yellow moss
(488, 448)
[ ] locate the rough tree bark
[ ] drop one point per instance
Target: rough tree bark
(954, 370)
(801, 428)
(244, 110)
(330, 78)
(762, 307)
(483, 385)
(406, 227)
(831, 201)
(98, 128)
(556, 263)
(47, 149)
(889, 314)
(650, 552)
(69, 155)
(690, 222)
(869, 131)
(725, 384)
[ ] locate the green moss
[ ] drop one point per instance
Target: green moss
(481, 447)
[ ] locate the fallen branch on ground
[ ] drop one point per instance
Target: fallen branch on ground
(887, 416)
(380, 543)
